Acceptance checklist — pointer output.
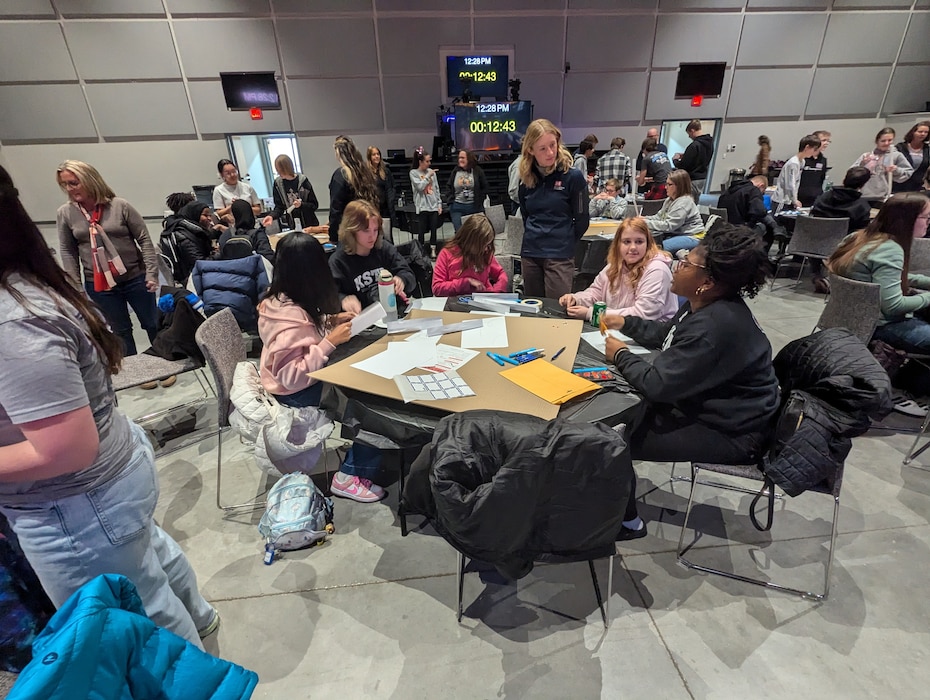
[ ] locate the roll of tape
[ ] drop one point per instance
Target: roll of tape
(531, 302)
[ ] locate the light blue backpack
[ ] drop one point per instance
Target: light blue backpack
(297, 515)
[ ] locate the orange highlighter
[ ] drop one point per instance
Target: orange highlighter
(603, 326)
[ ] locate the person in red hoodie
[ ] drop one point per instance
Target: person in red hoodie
(300, 326)
(467, 263)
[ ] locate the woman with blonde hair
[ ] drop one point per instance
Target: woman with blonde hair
(636, 281)
(881, 253)
(294, 198)
(362, 255)
(105, 236)
(386, 187)
(679, 216)
(352, 180)
(467, 264)
(554, 202)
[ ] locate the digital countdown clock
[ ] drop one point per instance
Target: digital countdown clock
(488, 75)
(492, 126)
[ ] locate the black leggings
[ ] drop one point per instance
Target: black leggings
(428, 220)
(664, 436)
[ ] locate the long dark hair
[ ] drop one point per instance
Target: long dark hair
(356, 171)
(736, 260)
(474, 243)
(301, 273)
(23, 250)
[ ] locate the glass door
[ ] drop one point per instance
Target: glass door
(254, 155)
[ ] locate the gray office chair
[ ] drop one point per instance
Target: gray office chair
(223, 346)
(650, 207)
(920, 256)
(513, 236)
(754, 473)
(814, 237)
(717, 211)
(498, 218)
(853, 305)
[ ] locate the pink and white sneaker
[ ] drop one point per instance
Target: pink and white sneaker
(356, 488)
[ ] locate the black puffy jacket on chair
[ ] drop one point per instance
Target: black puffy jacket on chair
(507, 488)
(843, 387)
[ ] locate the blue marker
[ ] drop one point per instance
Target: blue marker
(580, 370)
(504, 358)
(495, 358)
(520, 352)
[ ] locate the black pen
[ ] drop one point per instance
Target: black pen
(554, 357)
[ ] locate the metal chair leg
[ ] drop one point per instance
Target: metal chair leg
(461, 583)
(597, 592)
(914, 452)
(254, 504)
(400, 500)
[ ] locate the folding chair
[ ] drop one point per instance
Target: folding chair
(814, 237)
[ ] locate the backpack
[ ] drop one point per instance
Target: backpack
(169, 250)
(297, 515)
(420, 265)
(238, 245)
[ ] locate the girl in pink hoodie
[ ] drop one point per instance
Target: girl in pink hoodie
(467, 264)
(300, 327)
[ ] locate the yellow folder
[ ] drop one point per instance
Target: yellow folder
(548, 382)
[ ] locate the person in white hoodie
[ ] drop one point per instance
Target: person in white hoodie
(887, 164)
(679, 220)
(300, 326)
(637, 280)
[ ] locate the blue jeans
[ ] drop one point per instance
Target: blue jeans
(910, 335)
(458, 210)
(114, 306)
(110, 529)
(676, 243)
(361, 461)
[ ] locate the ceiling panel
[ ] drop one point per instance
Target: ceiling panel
(347, 105)
(537, 45)
(870, 4)
(302, 7)
(769, 93)
(26, 8)
(18, 63)
(701, 4)
(420, 5)
(109, 8)
(115, 50)
(799, 39)
(676, 39)
(485, 5)
(587, 37)
(787, 4)
(411, 45)
(308, 47)
(410, 102)
(917, 40)
(661, 102)
(612, 5)
(124, 110)
(848, 91)
(35, 113)
(862, 37)
(213, 117)
(909, 90)
(594, 98)
(245, 8)
(207, 47)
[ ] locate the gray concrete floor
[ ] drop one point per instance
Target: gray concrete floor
(370, 614)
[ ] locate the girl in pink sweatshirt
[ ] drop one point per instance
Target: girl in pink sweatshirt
(300, 328)
(636, 281)
(467, 264)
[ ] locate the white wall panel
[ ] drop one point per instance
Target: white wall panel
(344, 105)
(244, 8)
(769, 93)
(213, 117)
(538, 41)
(544, 90)
(213, 46)
(19, 42)
(110, 8)
(410, 101)
(917, 40)
(26, 8)
(43, 112)
(909, 90)
(695, 38)
(662, 104)
(848, 91)
(862, 37)
(588, 35)
(308, 47)
(123, 110)
(411, 45)
(116, 50)
(594, 98)
(781, 40)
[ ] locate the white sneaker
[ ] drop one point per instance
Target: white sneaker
(909, 407)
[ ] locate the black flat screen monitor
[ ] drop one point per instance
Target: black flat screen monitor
(246, 90)
(705, 79)
(492, 126)
(489, 75)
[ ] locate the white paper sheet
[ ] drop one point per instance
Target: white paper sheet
(429, 303)
(433, 387)
(599, 342)
(494, 313)
(448, 357)
(422, 337)
(493, 334)
(370, 316)
(398, 358)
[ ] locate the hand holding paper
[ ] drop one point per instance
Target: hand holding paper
(370, 316)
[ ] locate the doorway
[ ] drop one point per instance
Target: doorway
(674, 136)
(254, 156)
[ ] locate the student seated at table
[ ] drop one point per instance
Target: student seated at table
(636, 281)
(679, 220)
(711, 394)
(242, 238)
(880, 253)
(300, 326)
(609, 203)
(467, 264)
(362, 254)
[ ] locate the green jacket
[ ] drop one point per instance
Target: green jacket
(883, 265)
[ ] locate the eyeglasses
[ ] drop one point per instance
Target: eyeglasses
(678, 264)
(70, 184)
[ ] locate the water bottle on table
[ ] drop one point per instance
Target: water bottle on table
(386, 295)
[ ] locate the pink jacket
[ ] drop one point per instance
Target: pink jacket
(293, 346)
(652, 300)
(448, 278)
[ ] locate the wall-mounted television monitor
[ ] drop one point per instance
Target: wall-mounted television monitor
(246, 90)
(489, 75)
(705, 79)
(492, 126)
